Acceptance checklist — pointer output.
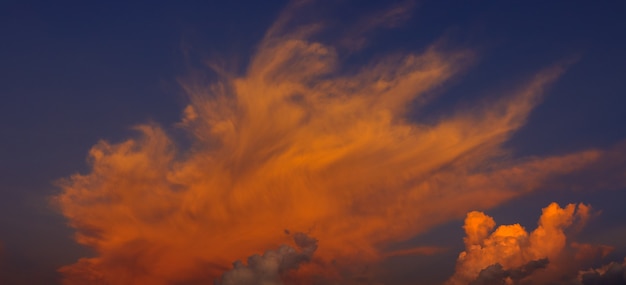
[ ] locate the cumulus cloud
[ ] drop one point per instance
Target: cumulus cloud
(269, 268)
(509, 253)
(295, 142)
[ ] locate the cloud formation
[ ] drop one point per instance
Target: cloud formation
(297, 142)
(509, 253)
(270, 268)
(495, 274)
(611, 274)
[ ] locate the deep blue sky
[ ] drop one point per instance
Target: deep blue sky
(75, 72)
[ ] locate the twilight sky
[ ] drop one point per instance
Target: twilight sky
(317, 142)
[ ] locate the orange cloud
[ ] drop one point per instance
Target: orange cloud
(295, 144)
(490, 253)
(420, 250)
(585, 251)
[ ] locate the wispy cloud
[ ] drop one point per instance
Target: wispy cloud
(294, 143)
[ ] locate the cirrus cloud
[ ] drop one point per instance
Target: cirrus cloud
(295, 142)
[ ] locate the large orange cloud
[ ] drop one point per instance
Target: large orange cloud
(295, 144)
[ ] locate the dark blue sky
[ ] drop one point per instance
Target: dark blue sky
(75, 72)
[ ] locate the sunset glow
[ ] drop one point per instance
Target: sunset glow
(307, 168)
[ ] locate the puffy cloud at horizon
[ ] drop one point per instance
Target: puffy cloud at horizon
(510, 253)
(295, 143)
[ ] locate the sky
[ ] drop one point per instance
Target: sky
(313, 142)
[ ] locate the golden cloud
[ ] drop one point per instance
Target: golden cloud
(510, 253)
(294, 143)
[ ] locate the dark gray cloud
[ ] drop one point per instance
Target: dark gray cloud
(269, 268)
(612, 274)
(495, 274)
